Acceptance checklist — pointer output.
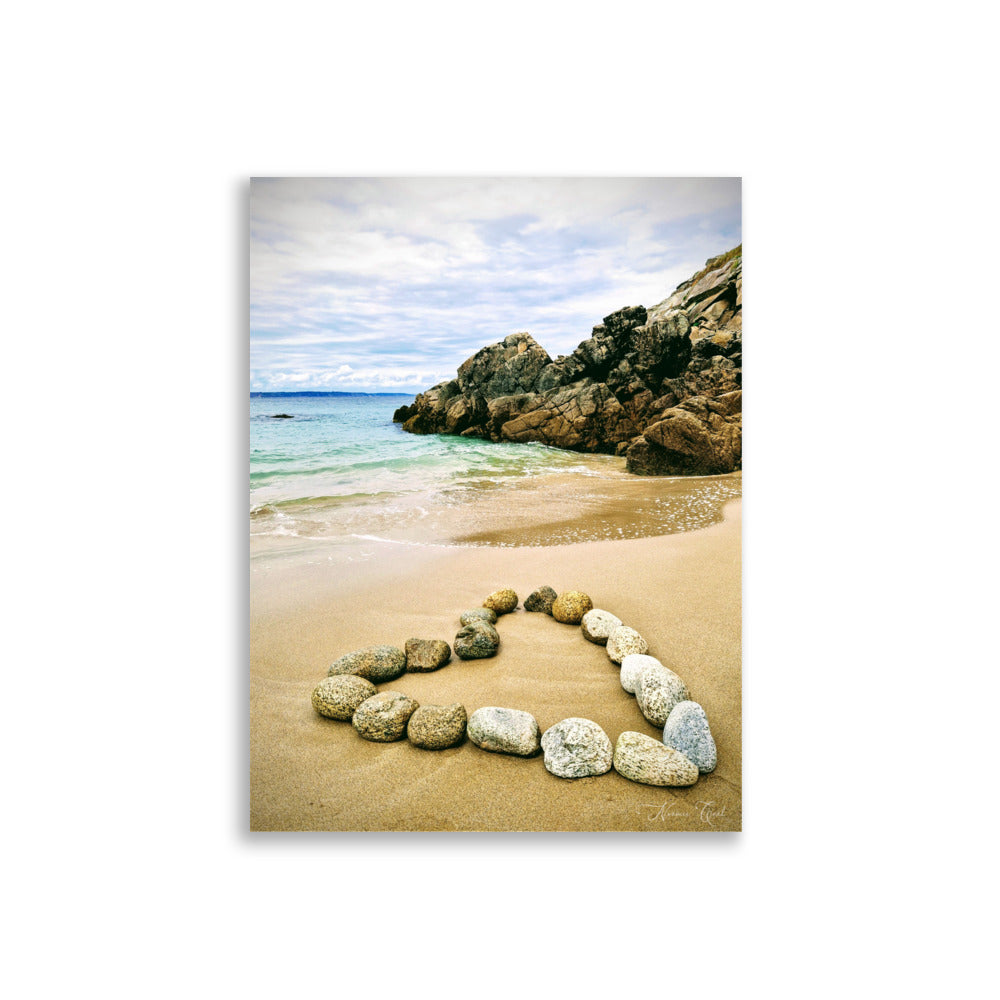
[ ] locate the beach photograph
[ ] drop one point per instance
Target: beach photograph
(495, 432)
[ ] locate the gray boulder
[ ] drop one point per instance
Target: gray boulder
(624, 640)
(687, 730)
(505, 730)
(632, 668)
(487, 615)
(576, 748)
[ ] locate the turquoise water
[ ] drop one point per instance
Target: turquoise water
(339, 469)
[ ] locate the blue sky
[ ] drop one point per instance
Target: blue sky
(389, 284)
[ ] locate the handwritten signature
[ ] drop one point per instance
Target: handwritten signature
(708, 811)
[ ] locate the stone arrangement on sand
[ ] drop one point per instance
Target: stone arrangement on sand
(572, 748)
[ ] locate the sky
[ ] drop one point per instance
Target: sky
(389, 284)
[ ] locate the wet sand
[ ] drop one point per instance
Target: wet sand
(682, 592)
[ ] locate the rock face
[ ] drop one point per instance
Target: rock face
(476, 641)
(658, 690)
(569, 608)
(505, 730)
(598, 625)
(540, 600)
(635, 372)
(337, 697)
(377, 663)
(436, 727)
(423, 655)
(383, 717)
(687, 730)
(576, 748)
(641, 758)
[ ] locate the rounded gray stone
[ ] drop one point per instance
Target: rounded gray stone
(423, 655)
(597, 626)
(641, 758)
(377, 663)
(337, 697)
(505, 730)
(436, 727)
(541, 600)
(624, 640)
(632, 668)
(477, 641)
(687, 730)
(659, 689)
(478, 614)
(576, 748)
(383, 717)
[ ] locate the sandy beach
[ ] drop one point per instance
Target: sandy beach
(682, 592)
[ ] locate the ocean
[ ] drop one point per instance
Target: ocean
(336, 470)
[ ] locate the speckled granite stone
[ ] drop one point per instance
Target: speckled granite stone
(423, 655)
(476, 641)
(576, 748)
(687, 730)
(478, 614)
(570, 607)
(505, 730)
(597, 625)
(624, 640)
(641, 758)
(501, 601)
(377, 663)
(337, 697)
(436, 727)
(383, 717)
(658, 690)
(632, 668)
(541, 600)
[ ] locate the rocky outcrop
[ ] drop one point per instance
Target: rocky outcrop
(661, 386)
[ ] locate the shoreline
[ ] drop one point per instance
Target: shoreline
(681, 591)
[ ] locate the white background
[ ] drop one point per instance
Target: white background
(863, 133)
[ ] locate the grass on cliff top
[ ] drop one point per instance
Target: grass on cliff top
(712, 263)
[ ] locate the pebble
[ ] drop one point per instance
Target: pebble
(435, 727)
(658, 690)
(597, 625)
(501, 601)
(641, 758)
(569, 608)
(383, 717)
(377, 663)
(624, 640)
(632, 668)
(505, 730)
(337, 697)
(477, 641)
(576, 748)
(479, 614)
(687, 730)
(540, 600)
(423, 655)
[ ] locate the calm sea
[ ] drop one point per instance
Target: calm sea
(338, 467)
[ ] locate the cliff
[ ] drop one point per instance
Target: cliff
(661, 386)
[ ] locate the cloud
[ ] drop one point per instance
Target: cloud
(403, 278)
